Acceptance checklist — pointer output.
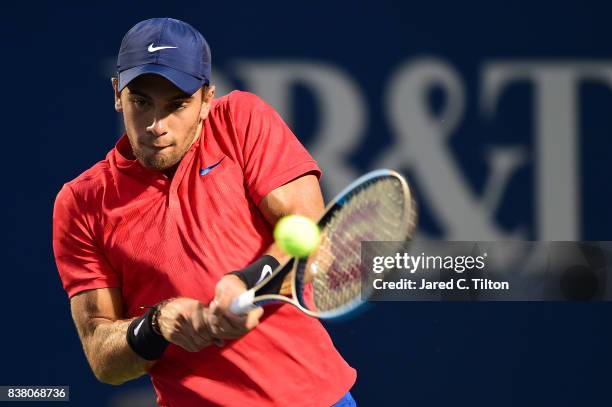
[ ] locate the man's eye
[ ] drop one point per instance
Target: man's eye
(179, 105)
(140, 102)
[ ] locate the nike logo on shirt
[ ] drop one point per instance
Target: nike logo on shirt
(153, 49)
(204, 171)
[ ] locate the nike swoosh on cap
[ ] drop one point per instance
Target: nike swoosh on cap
(138, 327)
(204, 171)
(153, 49)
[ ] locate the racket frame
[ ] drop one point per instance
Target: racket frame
(248, 300)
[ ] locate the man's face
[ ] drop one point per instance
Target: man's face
(160, 119)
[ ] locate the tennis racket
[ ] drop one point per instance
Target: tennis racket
(327, 284)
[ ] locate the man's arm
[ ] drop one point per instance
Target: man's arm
(301, 196)
(97, 315)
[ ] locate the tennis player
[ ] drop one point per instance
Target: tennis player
(154, 242)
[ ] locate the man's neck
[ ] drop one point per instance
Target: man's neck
(169, 172)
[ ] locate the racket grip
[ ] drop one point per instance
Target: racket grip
(244, 303)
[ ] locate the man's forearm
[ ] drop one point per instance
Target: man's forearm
(109, 354)
(276, 252)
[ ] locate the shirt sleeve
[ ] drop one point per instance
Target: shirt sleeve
(272, 154)
(80, 263)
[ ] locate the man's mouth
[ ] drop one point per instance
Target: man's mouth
(154, 147)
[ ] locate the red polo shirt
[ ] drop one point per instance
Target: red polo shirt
(121, 225)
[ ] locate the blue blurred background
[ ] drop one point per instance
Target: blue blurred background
(499, 112)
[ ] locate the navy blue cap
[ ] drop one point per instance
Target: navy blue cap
(167, 47)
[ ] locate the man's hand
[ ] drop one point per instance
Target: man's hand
(184, 322)
(223, 323)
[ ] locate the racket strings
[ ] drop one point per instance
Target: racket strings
(379, 211)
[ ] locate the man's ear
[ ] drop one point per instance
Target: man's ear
(115, 83)
(209, 94)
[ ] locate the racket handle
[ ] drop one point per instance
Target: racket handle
(244, 303)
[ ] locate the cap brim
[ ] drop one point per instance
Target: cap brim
(185, 82)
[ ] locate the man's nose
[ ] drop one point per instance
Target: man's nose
(158, 125)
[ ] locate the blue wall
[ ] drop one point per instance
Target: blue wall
(513, 98)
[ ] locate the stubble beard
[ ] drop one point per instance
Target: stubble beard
(161, 162)
(158, 161)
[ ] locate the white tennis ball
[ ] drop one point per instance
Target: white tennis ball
(297, 235)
